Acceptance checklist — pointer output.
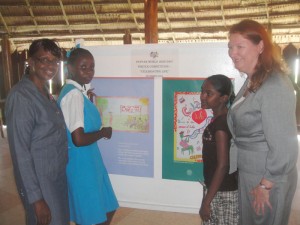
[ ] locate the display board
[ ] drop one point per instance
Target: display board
(184, 61)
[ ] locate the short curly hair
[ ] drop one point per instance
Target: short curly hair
(48, 46)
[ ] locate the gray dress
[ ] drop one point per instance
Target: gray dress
(38, 145)
(264, 145)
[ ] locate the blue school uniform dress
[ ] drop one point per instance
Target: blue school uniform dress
(91, 195)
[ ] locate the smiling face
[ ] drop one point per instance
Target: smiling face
(244, 53)
(43, 66)
(83, 69)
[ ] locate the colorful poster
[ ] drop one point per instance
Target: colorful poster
(189, 123)
(126, 104)
(183, 124)
(124, 113)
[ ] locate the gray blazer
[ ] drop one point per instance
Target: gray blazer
(264, 129)
(39, 150)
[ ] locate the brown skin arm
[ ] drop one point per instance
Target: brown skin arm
(42, 212)
(222, 167)
(80, 138)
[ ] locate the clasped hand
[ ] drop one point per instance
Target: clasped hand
(106, 132)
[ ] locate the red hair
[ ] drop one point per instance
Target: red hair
(269, 60)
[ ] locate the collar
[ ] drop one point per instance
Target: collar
(83, 88)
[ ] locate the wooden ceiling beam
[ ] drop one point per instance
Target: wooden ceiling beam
(194, 13)
(223, 15)
(133, 15)
(96, 15)
(162, 34)
(282, 21)
(166, 14)
(97, 18)
(5, 25)
(32, 16)
(65, 16)
(6, 32)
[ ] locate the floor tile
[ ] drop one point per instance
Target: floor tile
(8, 201)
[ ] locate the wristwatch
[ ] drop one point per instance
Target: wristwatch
(264, 187)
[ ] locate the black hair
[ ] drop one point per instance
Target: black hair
(223, 85)
(76, 53)
(48, 46)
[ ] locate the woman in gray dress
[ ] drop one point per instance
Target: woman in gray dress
(263, 126)
(38, 139)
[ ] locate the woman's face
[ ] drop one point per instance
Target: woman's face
(43, 65)
(83, 69)
(244, 53)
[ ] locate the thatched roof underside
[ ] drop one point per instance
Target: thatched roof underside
(103, 22)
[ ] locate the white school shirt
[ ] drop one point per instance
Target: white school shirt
(72, 105)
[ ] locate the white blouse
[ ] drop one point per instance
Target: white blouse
(72, 105)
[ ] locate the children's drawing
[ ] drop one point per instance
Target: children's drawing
(128, 114)
(189, 123)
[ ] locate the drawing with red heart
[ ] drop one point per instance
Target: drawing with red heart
(199, 116)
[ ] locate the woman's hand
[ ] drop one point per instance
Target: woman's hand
(42, 212)
(106, 132)
(205, 211)
(261, 200)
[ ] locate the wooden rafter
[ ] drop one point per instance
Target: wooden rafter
(133, 15)
(96, 15)
(97, 18)
(7, 30)
(4, 23)
(223, 14)
(194, 12)
(166, 14)
(65, 15)
(32, 16)
(267, 10)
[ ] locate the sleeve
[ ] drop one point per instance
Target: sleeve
(72, 106)
(279, 126)
(221, 124)
(20, 127)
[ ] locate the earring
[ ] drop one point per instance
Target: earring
(261, 51)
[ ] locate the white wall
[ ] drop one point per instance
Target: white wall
(194, 60)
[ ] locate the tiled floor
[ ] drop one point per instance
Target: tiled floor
(12, 213)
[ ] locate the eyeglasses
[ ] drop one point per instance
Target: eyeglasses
(48, 62)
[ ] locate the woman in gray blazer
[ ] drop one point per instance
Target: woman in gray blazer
(263, 125)
(38, 139)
